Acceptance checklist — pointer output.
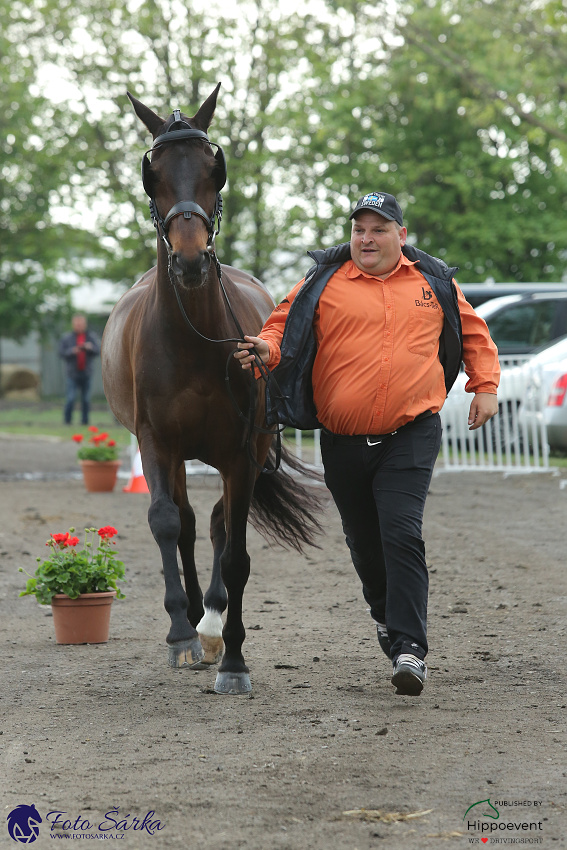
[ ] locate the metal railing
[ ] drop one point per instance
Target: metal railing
(513, 441)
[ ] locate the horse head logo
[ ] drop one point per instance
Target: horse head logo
(484, 814)
(23, 824)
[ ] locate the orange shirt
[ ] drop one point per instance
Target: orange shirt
(377, 364)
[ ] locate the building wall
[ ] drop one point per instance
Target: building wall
(42, 356)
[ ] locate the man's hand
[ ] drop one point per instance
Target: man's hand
(244, 356)
(483, 407)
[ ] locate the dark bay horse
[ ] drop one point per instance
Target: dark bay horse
(165, 377)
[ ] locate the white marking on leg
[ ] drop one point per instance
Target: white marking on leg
(210, 624)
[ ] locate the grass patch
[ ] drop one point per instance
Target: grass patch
(40, 419)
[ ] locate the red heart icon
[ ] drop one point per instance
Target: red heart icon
(484, 840)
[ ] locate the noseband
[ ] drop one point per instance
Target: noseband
(179, 131)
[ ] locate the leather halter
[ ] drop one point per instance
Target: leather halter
(180, 130)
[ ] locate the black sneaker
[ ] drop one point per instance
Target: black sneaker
(383, 639)
(409, 675)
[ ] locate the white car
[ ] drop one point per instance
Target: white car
(546, 395)
(555, 412)
(515, 424)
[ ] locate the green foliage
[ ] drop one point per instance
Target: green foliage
(459, 107)
(75, 571)
(479, 135)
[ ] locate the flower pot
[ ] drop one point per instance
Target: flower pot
(85, 619)
(100, 475)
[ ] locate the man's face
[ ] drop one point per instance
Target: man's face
(79, 324)
(376, 243)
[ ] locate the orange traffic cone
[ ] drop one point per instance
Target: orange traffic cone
(137, 482)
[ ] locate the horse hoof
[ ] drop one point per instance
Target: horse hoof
(233, 683)
(213, 648)
(185, 653)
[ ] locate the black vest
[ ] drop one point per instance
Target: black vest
(293, 404)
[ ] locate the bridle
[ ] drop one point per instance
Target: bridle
(180, 130)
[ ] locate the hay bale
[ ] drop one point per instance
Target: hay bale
(16, 379)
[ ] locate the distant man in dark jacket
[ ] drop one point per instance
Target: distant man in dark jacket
(78, 348)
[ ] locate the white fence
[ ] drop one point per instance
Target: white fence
(513, 441)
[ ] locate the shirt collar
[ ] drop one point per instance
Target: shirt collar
(352, 271)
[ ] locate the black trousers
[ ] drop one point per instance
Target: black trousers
(380, 493)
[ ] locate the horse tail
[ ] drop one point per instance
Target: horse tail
(283, 510)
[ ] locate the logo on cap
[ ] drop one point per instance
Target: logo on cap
(375, 200)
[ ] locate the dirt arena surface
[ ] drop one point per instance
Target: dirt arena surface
(322, 754)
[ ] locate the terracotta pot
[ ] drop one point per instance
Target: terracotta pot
(85, 619)
(100, 475)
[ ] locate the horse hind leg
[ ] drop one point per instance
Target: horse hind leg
(210, 626)
(172, 522)
(186, 546)
(233, 674)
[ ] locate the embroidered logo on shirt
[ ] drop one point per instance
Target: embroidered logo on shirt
(427, 300)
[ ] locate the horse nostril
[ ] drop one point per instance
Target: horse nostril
(205, 263)
(178, 264)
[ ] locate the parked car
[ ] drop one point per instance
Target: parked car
(555, 411)
(479, 293)
(521, 324)
(514, 421)
(545, 396)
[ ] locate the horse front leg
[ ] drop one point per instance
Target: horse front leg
(164, 520)
(233, 675)
(210, 627)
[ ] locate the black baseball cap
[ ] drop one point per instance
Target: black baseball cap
(381, 203)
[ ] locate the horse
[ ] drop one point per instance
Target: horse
(170, 377)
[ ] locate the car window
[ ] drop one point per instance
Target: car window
(523, 325)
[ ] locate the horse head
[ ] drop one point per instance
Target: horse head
(183, 179)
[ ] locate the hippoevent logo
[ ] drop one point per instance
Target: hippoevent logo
(23, 824)
(483, 819)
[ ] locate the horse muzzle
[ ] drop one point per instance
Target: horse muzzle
(190, 273)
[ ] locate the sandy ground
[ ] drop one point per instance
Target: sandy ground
(322, 754)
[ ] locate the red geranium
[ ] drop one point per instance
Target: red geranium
(60, 539)
(97, 447)
(74, 570)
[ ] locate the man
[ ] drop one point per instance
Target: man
(367, 347)
(78, 349)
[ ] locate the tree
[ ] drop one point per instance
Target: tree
(480, 93)
(458, 107)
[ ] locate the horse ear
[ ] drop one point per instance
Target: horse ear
(204, 116)
(152, 121)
